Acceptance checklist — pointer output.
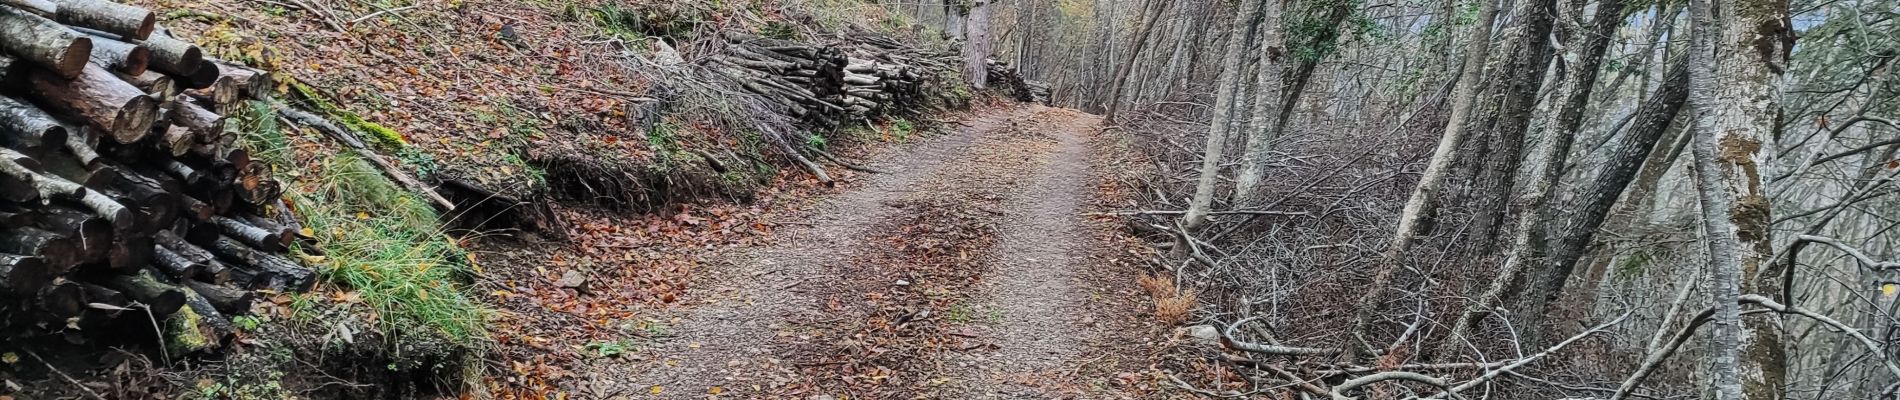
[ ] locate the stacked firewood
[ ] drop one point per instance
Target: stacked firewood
(1006, 77)
(826, 86)
(805, 81)
(903, 74)
(122, 188)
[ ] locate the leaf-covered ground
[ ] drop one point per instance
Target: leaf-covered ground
(883, 289)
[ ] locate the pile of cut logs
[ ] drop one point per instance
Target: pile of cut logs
(824, 87)
(1003, 76)
(122, 188)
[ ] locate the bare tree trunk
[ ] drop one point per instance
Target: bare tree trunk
(1424, 197)
(1737, 95)
(1154, 9)
(1553, 151)
(1523, 76)
(1268, 111)
(1737, 62)
(1224, 99)
(976, 50)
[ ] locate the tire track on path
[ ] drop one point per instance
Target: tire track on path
(727, 342)
(1038, 323)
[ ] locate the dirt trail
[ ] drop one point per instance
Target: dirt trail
(1031, 293)
(729, 343)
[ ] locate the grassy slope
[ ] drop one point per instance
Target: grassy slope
(478, 91)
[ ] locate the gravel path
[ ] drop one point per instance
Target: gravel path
(725, 343)
(1031, 295)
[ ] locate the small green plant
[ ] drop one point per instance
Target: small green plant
(815, 141)
(247, 322)
(613, 349)
(902, 129)
(958, 313)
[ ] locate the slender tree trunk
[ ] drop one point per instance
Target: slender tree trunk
(1224, 99)
(1523, 76)
(1424, 197)
(1154, 9)
(1269, 83)
(1281, 102)
(1553, 151)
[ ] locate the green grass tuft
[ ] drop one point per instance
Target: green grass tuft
(383, 242)
(377, 239)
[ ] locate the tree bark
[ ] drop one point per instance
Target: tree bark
(120, 57)
(1522, 76)
(1269, 110)
(1224, 99)
(118, 19)
(976, 50)
(115, 107)
(1154, 10)
(1740, 50)
(1424, 198)
(1578, 219)
(162, 298)
(23, 274)
(1526, 238)
(29, 129)
(173, 56)
(43, 42)
(296, 277)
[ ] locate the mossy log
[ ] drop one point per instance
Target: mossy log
(189, 332)
(162, 298)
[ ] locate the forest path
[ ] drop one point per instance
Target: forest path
(1031, 295)
(770, 316)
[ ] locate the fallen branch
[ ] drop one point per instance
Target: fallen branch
(1227, 340)
(395, 173)
(63, 375)
(1339, 391)
(1178, 212)
(1500, 371)
(1655, 360)
(847, 165)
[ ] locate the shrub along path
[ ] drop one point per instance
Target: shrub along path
(955, 273)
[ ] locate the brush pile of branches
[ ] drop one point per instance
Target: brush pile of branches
(825, 87)
(122, 189)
